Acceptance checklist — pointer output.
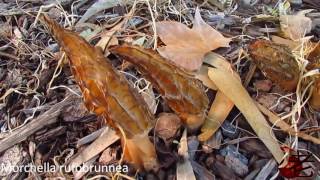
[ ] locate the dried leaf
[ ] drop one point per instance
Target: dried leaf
(184, 94)
(219, 111)
(221, 105)
(277, 62)
(189, 52)
(233, 89)
(212, 38)
(202, 75)
(107, 93)
(98, 6)
(107, 37)
(106, 138)
(296, 26)
(293, 45)
(184, 168)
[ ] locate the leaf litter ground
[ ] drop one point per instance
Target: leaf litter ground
(44, 119)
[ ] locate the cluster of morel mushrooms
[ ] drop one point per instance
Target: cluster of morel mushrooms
(107, 93)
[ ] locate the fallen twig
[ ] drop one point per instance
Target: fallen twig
(45, 119)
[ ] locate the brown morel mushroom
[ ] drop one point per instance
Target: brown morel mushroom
(184, 94)
(277, 62)
(108, 94)
(314, 63)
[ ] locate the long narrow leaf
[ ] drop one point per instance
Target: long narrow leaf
(233, 89)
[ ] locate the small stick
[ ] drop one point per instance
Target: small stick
(45, 119)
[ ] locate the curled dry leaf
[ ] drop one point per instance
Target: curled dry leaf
(277, 62)
(186, 47)
(167, 125)
(221, 105)
(296, 26)
(184, 94)
(108, 94)
(202, 75)
(229, 84)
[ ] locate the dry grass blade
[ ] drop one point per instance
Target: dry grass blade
(277, 121)
(233, 89)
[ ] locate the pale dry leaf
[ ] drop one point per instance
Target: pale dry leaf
(296, 26)
(107, 37)
(98, 6)
(186, 47)
(185, 52)
(212, 38)
(219, 111)
(107, 137)
(221, 105)
(233, 89)
(202, 75)
(184, 168)
(293, 45)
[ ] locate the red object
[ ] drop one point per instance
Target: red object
(293, 168)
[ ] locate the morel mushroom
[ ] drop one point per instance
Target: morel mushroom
(277, 62)
(108, 94)
(184, 94)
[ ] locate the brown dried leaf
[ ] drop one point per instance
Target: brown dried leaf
(184, 94)
(293, 45)
(277, 62)
(107, 93)
(187, 47)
